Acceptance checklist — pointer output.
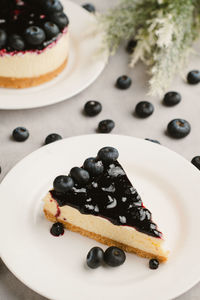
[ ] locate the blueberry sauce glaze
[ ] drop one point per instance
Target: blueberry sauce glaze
(18, 15)
(110, 196)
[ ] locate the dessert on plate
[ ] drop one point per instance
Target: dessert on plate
(34, 42)
(99, 201)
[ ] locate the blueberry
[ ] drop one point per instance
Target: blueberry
(131, 46)
(80, 176)
(63, 184)
(51, 29)
(16, 42)
(20, 134)
(59, 19)
(196, 162)
(144, 109)
(3, 38)
(153, 141)
(57, 229)
(106, 126)
(114, 256)
(34, 35)
(153, 264)
(178, 128)
(95, 257)
(141, 214)
(53, 137)
(51, 6)
(93, 166)
(92, 108)
(193, 77)
(108, 154)
(89, 7)
(171, 98)
(123, 82)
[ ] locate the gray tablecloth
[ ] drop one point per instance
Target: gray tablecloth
(66, 119)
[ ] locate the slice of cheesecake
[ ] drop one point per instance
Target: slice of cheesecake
(99, 201)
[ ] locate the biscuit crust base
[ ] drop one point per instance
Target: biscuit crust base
(20, 83)
(102, 239)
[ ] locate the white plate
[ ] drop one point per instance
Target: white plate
(54, 267)
(85, 64)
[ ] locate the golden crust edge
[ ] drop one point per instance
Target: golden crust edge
(102, 239)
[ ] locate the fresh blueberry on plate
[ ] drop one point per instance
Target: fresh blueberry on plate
(171, 98)
(131, 46)
(193, 77)
(20, 134)
(196, 162)
(80, 175)
(89, 7)
(114, 256)
(108, 154)
(144, 109)
(106, 126)
(92, 108)
(178, 128)
(63, 184)
(123, 82)
(35, 35)
(53, 137)
(153, 141)
(95, 257)
(57, 229)
(153, 264)
(93, 166)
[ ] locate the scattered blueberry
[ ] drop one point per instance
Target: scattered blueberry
(131, 46)
(106, 126)
(93, 166)
(63, 184)
(52, 6)
(35, 35)
(20, 134)
(144, 109)
(57, 229)
(95, 257)
(3, 38)
(53, 137)
(51, 29)
(92, 108)
(178, 128)
(80, 175)
(16, 42)
(193, 77)
(59, 19)
(108, 154)
(114, 256)
(153, 264)
(123, 82)
(89, 7)
(196, 161)
(171, 98)
(153, 141)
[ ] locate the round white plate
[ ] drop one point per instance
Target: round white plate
(55, 267)
(85, 64)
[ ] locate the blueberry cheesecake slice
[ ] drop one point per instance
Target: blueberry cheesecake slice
(34, 42)
(99, 201)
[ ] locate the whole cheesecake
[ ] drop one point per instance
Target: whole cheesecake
(99, 201)
(34, 42)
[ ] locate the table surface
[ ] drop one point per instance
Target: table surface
(117, 105)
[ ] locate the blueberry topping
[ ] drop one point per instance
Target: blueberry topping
(106, 126)
(193, 77)
(57, 229)
(123, 82)
(153, 264)
(51, 6)
(51, 29)
(34, 35)
(3, 38)
(131, 46)
(114, 256)
(171, 98)
(196, 162)
(141, 214)
(89, 7)
(95, 257)
(108, 154)
(144, 109)
(59, 19)
(16, 42)
(153, 141)
(80, 176)
(93, 166)
(63, 184)
(178, 128)
(53, 137)
(20, 134)
(92, 108)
